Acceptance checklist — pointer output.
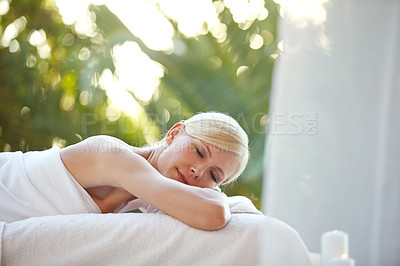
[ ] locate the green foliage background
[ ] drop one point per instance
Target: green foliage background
(34, 91)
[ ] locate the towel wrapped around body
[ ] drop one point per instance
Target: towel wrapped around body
(38, 184)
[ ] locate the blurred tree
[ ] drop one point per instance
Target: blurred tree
(46, 93)
(50, 94)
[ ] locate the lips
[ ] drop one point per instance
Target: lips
(182, 178)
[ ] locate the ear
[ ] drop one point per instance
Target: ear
(173, 132)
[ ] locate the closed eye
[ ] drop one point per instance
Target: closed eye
(199, 152)
(214, 178)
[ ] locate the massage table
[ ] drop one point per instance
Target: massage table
(250, 238)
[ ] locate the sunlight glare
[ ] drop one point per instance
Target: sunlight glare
(37, 38)
(263, 14)
(245, 12)
(31, 61)
(302, 12)
(136, 71)
(76, 13)
(84, 54)
(58, 142)
(118, 95)
(12, 31)
(219, 32)
(67, 102)
(280, 46)
(191, 15)
(241, 69)
(4, 7)
(180, 47)
(256, 41)
(85, 97)
(113, 113)
(14, 46)
(145, 21)
(219, 6)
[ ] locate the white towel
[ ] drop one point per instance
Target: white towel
(38, 184)
(148, 239)
(237, 204)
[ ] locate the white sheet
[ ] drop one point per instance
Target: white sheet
(147, 239)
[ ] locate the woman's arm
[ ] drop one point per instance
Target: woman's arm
(106, 161)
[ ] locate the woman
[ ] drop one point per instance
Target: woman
(201, 153)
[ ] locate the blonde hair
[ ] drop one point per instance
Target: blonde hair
(222, 131)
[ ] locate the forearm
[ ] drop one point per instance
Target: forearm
(201, 208)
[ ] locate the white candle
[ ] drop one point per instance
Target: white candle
(333, 245)
(342, 261)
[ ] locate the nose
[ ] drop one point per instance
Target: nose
(197, 171)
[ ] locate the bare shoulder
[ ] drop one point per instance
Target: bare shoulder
(91, 162)
(103, 144)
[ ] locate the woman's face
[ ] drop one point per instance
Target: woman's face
(194, 162)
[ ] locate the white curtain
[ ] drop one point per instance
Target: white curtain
(333, 144)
